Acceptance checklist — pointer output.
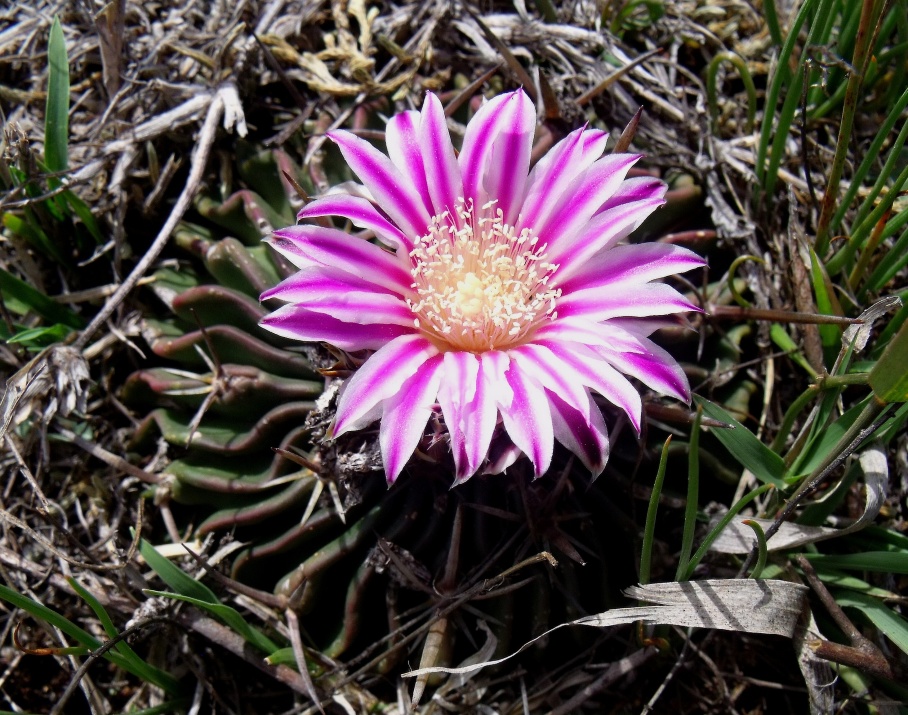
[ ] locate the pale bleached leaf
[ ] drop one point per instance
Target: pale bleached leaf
(859, 333)
(818, 673)
(742, 605)
(738, 538)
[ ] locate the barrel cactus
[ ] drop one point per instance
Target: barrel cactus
(384, 574)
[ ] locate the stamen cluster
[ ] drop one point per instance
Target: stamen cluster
(480, 284)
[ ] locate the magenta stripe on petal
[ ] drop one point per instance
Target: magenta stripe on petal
(457, 390)
(601, 233)
(385, 183)
(585, 195)
(342, 296)
(588, 332)
(362, 213)
(636, 189)
(528, 421)
(402, 139)
(639, 263)
(314, 245)
(594, 143)
(480, 419)
(363, 308)
(496, 152)
(618, 302)
(380, 377)
(550, 177)
(588, 439)
(405, 415)
(438, 158)
(543, 366)
(655, 368)
(292, 321)
(556, 171)
(317, 281)
(597, 374)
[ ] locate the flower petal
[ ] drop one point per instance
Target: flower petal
(587, 332)
(313, 245)
(528, 419)
(405, 414)
(385, 182)
(616, 301)
(295, 322)
(402, 139)
(596, 373)
(638, 263)
(635, 189)
(555, 172)
(502, 454)
(480, 418)
(550, 177)
(596, 239)
(495, 158)
(379, 378)
(457, 392)
(467, 397)
(342, 296)
(362, 213)
(585, 195)
(653, 366)
(543, 366)
(588, 439)
(438, 158)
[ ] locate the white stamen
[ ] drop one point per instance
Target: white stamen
(479, 284)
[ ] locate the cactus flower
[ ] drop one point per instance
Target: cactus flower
(497, 295)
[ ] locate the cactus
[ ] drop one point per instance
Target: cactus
(246, 415)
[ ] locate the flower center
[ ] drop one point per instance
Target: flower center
(480, 285)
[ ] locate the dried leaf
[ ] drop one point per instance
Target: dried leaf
(737, 538)
(741, 605)
(860, 333)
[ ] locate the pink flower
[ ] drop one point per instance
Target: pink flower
(498, 294)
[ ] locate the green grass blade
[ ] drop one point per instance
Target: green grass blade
(693, 496)
(717, 529)
(842, 259)
(29, 228)
(81, 209)
(824, 295)
(772, 21)
(649, 529)
(228, 615)
(889, 377)
(192, 591)
(888, 621)
(825, 439)
(890, 264)
(43, 613)
(56, 117)
(870, 158)
(14, 289)
(176, 578)
(876, 561)
(780, 78)
(750, 452)
(137, 666)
